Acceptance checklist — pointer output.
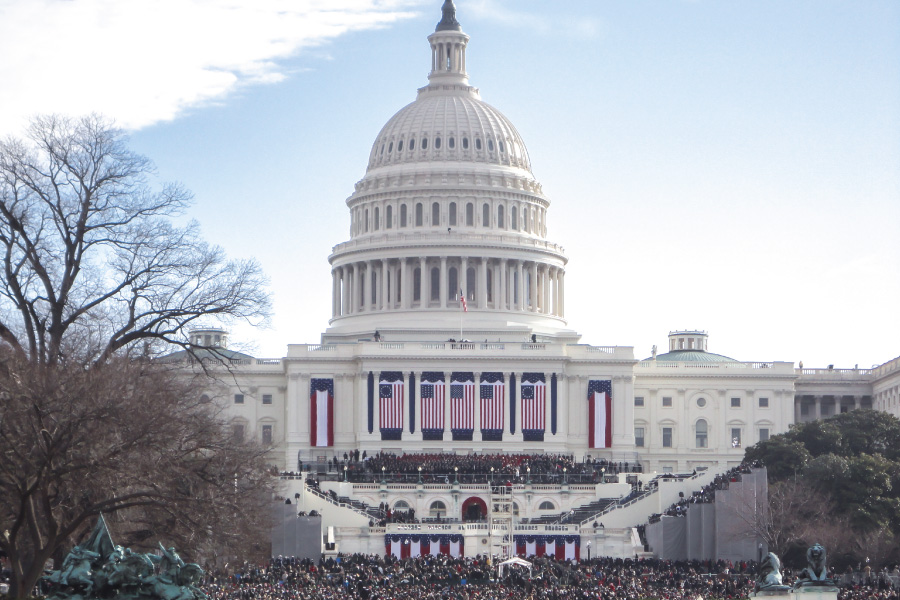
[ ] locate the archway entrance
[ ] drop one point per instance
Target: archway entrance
(474, 509)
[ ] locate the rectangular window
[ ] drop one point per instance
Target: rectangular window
(237, 431)
(267, 435)
(735, 437)
(764, 403)
(763, 434)
(238, 398)
(667, 437)
(639, 437)
(735, 403)
(638, 400)
(267, 398)
(667, 401)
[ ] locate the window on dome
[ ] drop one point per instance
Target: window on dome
(412, 144)
(465, 143)
(417, 284)
(486, 215)
(382, 149)
(453, 214)
(377, 218)
(437, 143)
(400, 146)
(435, 214)
(500, 217)
(453, 283)
(478, 143)
(424, 143)
(451, 143)
(525, 220)
(390, 147)
(367, 220)
(435, 283)
(402, 215)
(470, 214)
(470, 283)
(502, 147)
(491, 145)
(388, 217)
(513, 217)
(490, 284)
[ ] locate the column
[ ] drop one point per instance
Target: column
(384, 301)
(482, 283)
(520, 286)
(503, 282)
(534, 287)
(562, 293)
(367, 288)
(857, 400)
(476, 408)
(405, 287)
(546, 281)
(355, 304)
(443, 286)
(346, 296)
(334, 293)
(798, 400)
(423, 299)
(818, 407)
(554, 283)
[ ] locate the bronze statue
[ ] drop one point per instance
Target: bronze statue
(769, 578)
(815, 575)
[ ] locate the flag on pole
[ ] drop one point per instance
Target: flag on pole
(462, 299)
(599, 413)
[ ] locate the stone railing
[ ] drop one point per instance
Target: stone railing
(511, 349)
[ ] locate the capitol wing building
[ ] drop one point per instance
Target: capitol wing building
(448, 335)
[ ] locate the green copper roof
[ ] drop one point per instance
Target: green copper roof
(691, 356)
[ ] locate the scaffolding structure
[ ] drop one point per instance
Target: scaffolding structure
(502, 522)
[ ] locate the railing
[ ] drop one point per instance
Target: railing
(429, 239)
(331, 500)
(659, 364)
(835, 372)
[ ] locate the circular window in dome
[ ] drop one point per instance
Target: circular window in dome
(390, 147)
(451, 143)
(400, 146)
(437, 143)
(701, 402)
(477, 144)
(465, 143)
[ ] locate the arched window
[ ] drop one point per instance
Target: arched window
(437, 143)
(478, 143)
(367, 220)
(546, 505)
(502, 147)
(437, 509)
(486, 216)
(419, 216)
(525, 221)
(513, 216)
(470, 214)
(417, 284)
(388, 217)
(424, 143)
(401, 505)
(400, 146)
(402, 215)
(390, 147)
(500, 223)
(465, 143)
(451, 143)
(412, 144)
(470, 283)
(435, 214)
(435, 283)
(453, 214)
(377, 218)
(701, 429)
(453, 283)
(490, 284)
(490, 145)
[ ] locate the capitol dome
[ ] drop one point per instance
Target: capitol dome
(447, 218)
(458, 127)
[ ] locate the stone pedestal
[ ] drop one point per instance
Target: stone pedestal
(803, 593)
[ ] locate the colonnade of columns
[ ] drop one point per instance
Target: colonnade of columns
(825, 406)
(435, 282)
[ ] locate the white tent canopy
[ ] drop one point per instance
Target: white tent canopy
(515, 560)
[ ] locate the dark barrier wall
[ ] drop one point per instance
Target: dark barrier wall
(296, 536)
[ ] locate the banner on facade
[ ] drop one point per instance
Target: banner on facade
(431, 390)
(599, 413)
(321, 412)
(493, 393)
(390, 405)
(534, 406)
(462, 406)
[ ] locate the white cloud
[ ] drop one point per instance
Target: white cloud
(145, 61)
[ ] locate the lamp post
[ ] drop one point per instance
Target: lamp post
(383, 480)
(527, 474)
(589, 549)
(565, 475)
(492, 474)
(345, 473)
(420, 473)
(602, 474)
(456, 475)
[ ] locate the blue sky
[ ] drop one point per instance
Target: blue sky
(727, 166)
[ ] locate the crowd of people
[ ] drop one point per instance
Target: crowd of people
(707, 494)
(374, 577)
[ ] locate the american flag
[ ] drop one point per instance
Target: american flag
(390, 395)
(462, 298)
(492, 397)
(432, 394)
(533, 405)
(599, 413)
(321, 407)
(462, 405)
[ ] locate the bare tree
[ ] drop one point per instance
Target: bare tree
(95, 279)
(128, 439)
(91, 261)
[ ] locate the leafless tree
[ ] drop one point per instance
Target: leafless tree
(95, 279)
(92, 262)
